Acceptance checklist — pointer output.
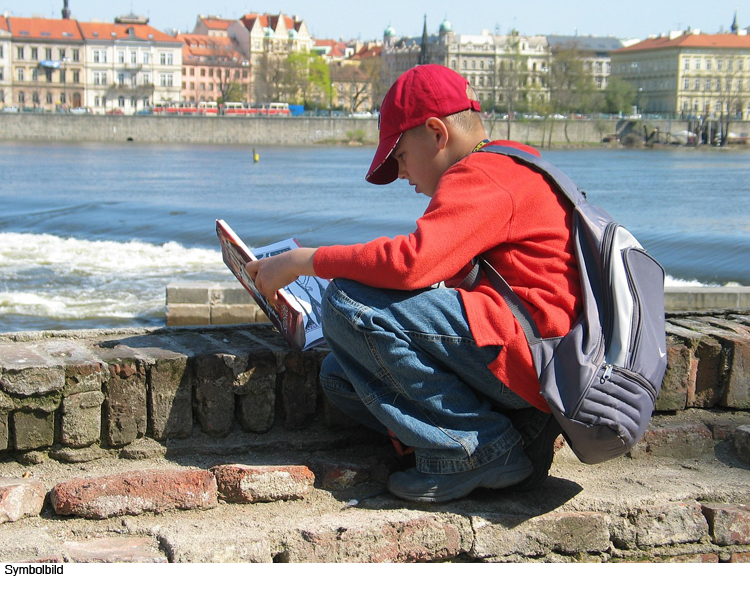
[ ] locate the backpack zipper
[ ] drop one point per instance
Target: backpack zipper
(607, 240)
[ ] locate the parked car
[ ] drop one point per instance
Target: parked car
(80, 111)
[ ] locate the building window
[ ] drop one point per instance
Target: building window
(121, 101)
(19, 74)
(121, 58)
(96, 101)
(697, 64)
(62, 54)
(76, 76)
(686, 64)
(707, 85)
(166, 79)
(686, 83)
(48, 53)
(63, 98)
(21, 97)
(146, 79)
(146, 58)
(19, 54)
(62, 76)
(76, 55)
(134, 57)
(121, 79)
(35, 74)
(35, 98)
(708, 64)
(34, 53)
(48, 98)
(697, 84)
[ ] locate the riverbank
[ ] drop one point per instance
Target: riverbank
(298, 130)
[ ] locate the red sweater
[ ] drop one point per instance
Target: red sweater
(488, 204)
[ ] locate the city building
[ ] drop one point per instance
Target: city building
(594, 51)
(354, 70)
(130, 65)
(267, 41)
(503, 69)
(213, 69)
(46, 63)
(213, 26)
(689, 74)
(5, 69)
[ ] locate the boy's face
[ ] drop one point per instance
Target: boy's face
(420, 159)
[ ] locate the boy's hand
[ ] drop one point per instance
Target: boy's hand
(273, 273)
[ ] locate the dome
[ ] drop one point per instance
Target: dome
(389, 32)
(446, 27)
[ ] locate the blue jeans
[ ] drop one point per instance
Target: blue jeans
(407, 361)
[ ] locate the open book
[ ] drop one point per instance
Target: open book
(298, 316)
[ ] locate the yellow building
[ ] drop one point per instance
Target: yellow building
(689, 74)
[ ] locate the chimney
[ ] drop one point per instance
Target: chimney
(65, 10)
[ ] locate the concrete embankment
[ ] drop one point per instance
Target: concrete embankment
(214, 444)
(302, 130)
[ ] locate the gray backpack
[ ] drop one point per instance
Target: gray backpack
(602, 378)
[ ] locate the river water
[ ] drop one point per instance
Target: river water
(90, 234)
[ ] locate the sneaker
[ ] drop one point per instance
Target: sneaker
(510, 468)
(541, 452)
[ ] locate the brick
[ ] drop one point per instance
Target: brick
(565, 533)
(674, 523)
(253, 484)
(133, 493)
(707, 558)
(675, 440)
(740, 558)
(125, 397)
(299, 389)
(214, 394)
(709, 375)
(114, 550)
(674, 387)
(81, 419)
(340, 475)
(728, 524)
(32, 429)
(3, 431)
(375, 537)
(737, 392)
(84, 372)
(170, 384)
(742, 443)
(20, 498)
(256, 392)
(25, 371)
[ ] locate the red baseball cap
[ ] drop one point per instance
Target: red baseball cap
(422, 92)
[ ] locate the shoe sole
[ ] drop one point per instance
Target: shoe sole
(503, 479)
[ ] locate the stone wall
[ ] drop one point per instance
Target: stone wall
(75, 394)
(289, 130)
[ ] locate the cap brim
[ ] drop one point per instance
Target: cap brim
(384, 169)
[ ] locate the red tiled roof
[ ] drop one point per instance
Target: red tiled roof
(689, 40)
(369, 52)
(121, 31)
(44, 28)
(197, 46)
(221, 24)
(4, 24)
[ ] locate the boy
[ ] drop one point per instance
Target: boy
(443, 370)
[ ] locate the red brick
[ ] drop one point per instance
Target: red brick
(693, 558)
(109, 550)
(677, 440)
(340, 475)
(740, 558)
(20, 498)
(729, 524)
(133, 493)
(252, 484)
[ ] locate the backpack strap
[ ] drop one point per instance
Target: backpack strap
(566, 186)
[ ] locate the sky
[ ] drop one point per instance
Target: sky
(357, 19)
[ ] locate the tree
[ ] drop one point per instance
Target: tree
(572, 89)
(512, 79)
(307, 78)
(619, 96)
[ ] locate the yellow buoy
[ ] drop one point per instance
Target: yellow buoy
(256, 156)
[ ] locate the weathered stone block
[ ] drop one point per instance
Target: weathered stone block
(386, 536)
(742, 443)
(256, 393)
(32, 429)
(728, 524)
(188, 314)
(20, 497)
(254, 484)
(737, 392)
(566, 533)
(299, 389)
(125, 397)
(674, 389)
(84, 372)
(3, 431)
(25, 371)
(214, 393)
(171, 401)
(81, 419)
(133, 493)
(121, 550)
(675, 440)
(709, 375)
(340, 475)
(674, 523)
(233, 314)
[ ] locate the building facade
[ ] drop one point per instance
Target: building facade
(595, 52)
(47, 64)
(501, 68)
(213, 69)
(689, 74)
(130, 65)
(5, 69)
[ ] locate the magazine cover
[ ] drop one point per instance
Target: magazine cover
(298, 316)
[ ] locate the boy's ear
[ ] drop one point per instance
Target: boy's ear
(437, 129)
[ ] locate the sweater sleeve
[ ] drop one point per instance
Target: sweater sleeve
(468, 214)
